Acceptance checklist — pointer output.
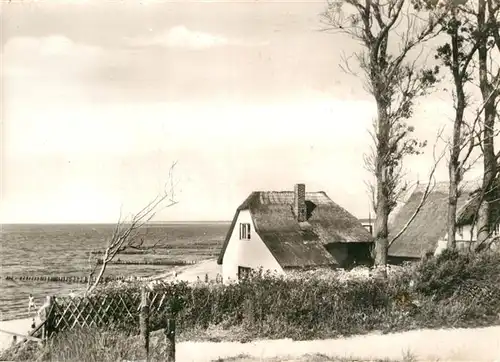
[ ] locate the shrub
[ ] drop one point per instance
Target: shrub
(273, 306)
(460, 275)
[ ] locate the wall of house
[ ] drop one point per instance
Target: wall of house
(370, 227)
(339, 252)
(359, 254)
(252, 253)
(464, 236)
(398, 260)
(350, 254)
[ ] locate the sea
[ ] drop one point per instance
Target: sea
(64, 249)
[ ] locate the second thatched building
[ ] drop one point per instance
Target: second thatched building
(427, 233)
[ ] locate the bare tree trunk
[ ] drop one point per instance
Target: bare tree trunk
(455, 171)
(381, 233)
(383, 197)
(484, 217)
(452, 210)
(90, 288)
(489, 160)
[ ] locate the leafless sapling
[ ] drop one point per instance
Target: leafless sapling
(126, 233)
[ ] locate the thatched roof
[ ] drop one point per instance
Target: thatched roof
(295, 244)
(468, 214)
(430, 224)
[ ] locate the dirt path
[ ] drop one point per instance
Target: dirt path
(478, 344)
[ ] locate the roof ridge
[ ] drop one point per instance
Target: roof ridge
(290, 191)
(442, 186)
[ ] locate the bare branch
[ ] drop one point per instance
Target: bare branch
(428, 189)
(126, 234)
(91, 267)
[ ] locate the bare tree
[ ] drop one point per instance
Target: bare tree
(488, 38)
(388, 32)
(487, 215)
(468, 32)
(126, 234)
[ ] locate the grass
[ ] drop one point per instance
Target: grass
(87, 345)
(90, 345)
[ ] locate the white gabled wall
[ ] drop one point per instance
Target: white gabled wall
(252, 253)
(462, 237)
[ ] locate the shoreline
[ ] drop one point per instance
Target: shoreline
(20, 326)
(188, 273)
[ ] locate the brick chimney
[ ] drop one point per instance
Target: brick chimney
(299, 202)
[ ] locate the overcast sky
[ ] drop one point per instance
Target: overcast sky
(99, 98)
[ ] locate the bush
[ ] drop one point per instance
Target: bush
(453, 289)
(459, 289)
(272, 306)
(453, 271)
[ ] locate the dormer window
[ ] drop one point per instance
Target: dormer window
(244, 231)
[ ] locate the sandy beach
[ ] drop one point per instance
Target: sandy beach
(192, 273)
(19, 326)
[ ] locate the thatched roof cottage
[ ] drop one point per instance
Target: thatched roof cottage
(428, 231)
(281, 230)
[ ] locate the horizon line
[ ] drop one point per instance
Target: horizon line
(113, 223)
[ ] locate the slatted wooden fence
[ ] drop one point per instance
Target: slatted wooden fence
(102, 311)
(67, 313)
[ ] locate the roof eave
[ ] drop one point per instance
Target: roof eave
(243, 206)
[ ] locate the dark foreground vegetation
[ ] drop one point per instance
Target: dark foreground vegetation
(452, 290)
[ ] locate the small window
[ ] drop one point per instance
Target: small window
(369, 228)
(243, 272)
(497, 229)
(461, 231)
(245, 231)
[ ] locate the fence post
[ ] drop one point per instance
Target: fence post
(47, 318)
(144, 320)
(170, 340)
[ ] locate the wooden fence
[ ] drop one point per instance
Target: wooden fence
(100, 311)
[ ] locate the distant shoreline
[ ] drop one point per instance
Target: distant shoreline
(113, 223)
